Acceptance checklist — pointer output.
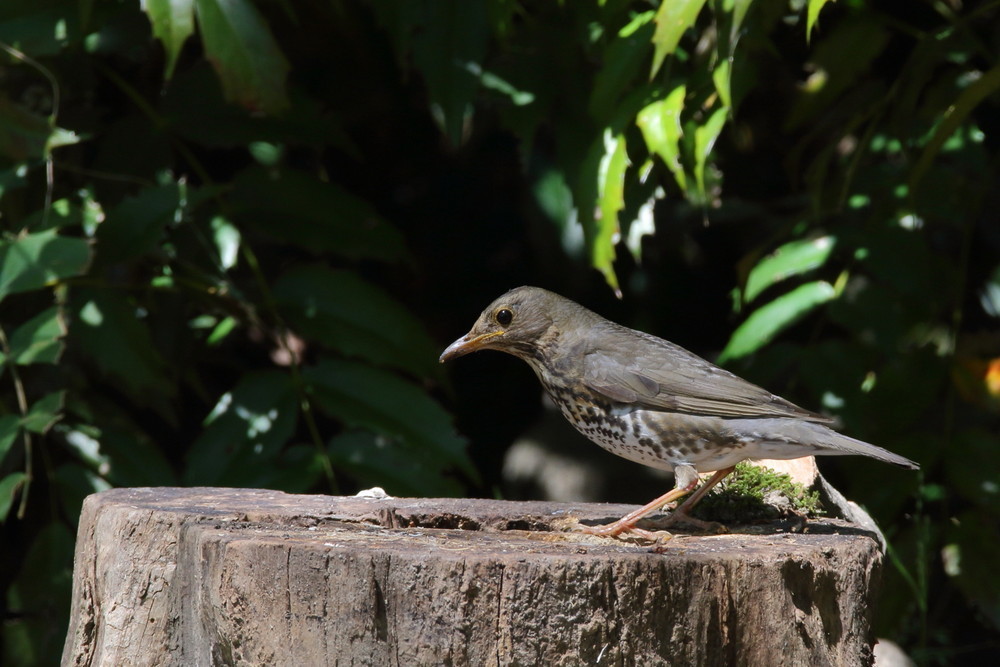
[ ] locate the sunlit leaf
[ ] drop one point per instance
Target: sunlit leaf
(812, 14)
(243, 52)
(673, 18)
(721, 78)
(39, 340)
(704, 139)
(32, 262)
(793, 258)
(611, 200)
(774, 317)
(221, 330)
(740, 9)
(227, 241)
(173, 23)
(660, 123)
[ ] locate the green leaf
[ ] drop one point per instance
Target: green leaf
(622, 61)
(135, 459)
(136, 226)
(41, 592)
(340, 310)
(9, 487)
(173, 23)
(673, 18)
(39, 340)
(378, 461)
(34, 261)
(37, 28)
(316, 216)
(227, 241)
(370, 398)
(610, 200)
(62, 213)
(44, 412)
(721, 78)
(660, 123)
(973, 475)
(10, 428)
(449, 43)
(245, 431)
(245, 55)
(221, 331)
(770, 319)
(704, 139)
(976, 545)
(27, 136)
(812, 13)
(74, 483)
(740, 9)
(954, 116)
(298, 469)
(491, 81)
(841, 61)
(106, 330)
(791, 259)
(22, 134)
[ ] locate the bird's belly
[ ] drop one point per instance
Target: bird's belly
(657, 439)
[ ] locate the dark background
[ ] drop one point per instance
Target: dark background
(377, 189)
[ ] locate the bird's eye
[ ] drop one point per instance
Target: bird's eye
(504, 316)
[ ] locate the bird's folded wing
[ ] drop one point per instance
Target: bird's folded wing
(669, 377)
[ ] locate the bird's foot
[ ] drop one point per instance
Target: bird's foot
(624, 530)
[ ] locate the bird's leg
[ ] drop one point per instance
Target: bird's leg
(687, 479)
(683, 513)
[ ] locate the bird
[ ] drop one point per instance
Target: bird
(651, 401)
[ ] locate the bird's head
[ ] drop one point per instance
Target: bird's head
(515, 323)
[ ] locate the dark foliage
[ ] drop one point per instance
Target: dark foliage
(234, 237)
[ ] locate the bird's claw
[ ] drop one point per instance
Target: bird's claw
(625, 531)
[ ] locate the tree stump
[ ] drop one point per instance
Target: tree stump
(206, 576)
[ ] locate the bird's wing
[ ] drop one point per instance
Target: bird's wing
(655, 373)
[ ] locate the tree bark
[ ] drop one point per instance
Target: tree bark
(167, 576)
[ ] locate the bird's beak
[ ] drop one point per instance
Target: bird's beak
(465, 344)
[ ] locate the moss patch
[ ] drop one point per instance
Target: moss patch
(747, 494)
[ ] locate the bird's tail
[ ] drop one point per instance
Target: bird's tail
(824, 441)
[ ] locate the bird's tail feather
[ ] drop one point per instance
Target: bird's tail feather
(821, 440)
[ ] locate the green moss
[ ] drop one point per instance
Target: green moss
(740, 496)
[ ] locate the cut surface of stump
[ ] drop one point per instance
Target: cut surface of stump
(207, 576)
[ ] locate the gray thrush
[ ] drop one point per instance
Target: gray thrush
(650, 401)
